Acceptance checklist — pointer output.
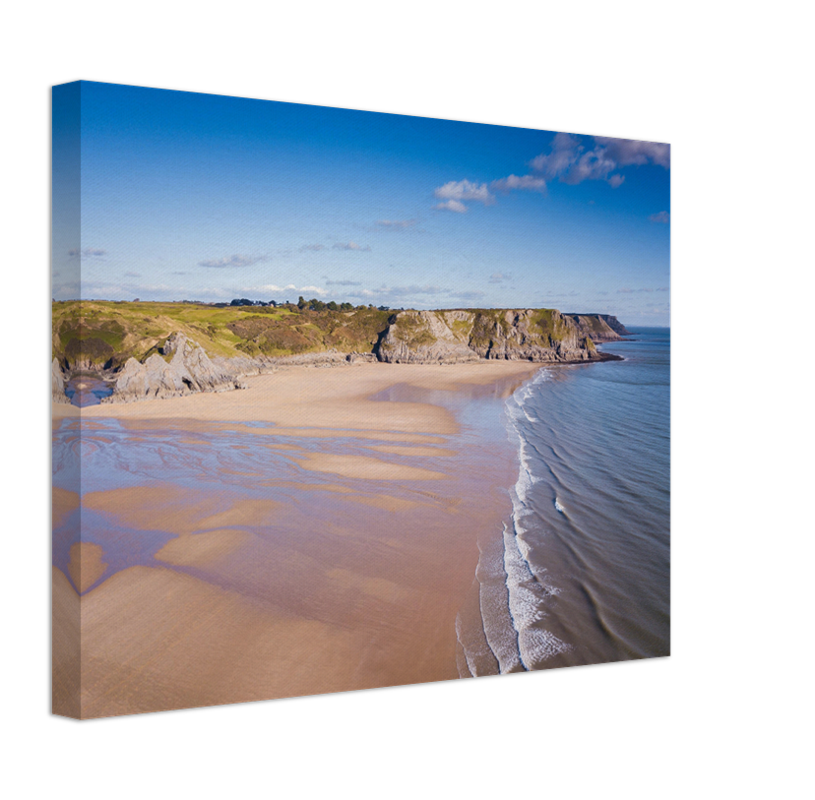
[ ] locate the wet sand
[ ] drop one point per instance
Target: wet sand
(345, 571)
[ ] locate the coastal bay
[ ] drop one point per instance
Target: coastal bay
(317, 531)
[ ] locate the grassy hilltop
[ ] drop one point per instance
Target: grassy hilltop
(100, 333)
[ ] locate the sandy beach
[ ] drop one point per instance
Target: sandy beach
(315, 532)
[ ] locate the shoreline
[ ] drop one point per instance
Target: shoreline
(352, 576)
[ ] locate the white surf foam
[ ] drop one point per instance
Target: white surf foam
(512, 598)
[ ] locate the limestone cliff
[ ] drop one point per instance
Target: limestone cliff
(599, 327)
(446, 337)
(427, 336)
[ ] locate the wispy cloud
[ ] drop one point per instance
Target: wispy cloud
(402, 291)
(132, 274)
(313, 247)
(396, 224)
(272, 288)
(418, 295)
(343, 283)
(532, 183)
(500, 277)
(662, 216)
(231, 262)
(352, 246)
(638, 291)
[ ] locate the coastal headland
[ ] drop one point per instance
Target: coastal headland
(316, 531)
(156, 350)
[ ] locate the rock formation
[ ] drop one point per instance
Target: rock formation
(428, 337)
(58, 384)
(189, 371)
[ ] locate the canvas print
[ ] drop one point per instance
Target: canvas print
(345, 400)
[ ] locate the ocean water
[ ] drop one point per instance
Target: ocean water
(581, 571)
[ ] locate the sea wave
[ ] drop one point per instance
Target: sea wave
(513, 597)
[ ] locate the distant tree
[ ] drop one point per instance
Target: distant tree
(384, 308)
(347, 306)
(316, 305)
(332, 306)
(301, 304)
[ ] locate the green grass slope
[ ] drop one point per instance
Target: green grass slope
(105, 334)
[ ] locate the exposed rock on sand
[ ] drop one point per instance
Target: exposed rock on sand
(190, 371)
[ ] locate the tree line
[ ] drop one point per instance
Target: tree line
(305, 305)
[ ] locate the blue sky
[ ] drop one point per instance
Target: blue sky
(201, 197)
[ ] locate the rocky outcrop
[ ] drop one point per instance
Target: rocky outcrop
(58, 384)
(320, 359)
(190, 370)
(428, 337)
(446, 337)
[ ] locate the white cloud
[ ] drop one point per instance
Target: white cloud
(570, 161)
(591, 166)
(662, 216)
(564, 151)
(630, 151)
(452, 205)
(465, 190)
